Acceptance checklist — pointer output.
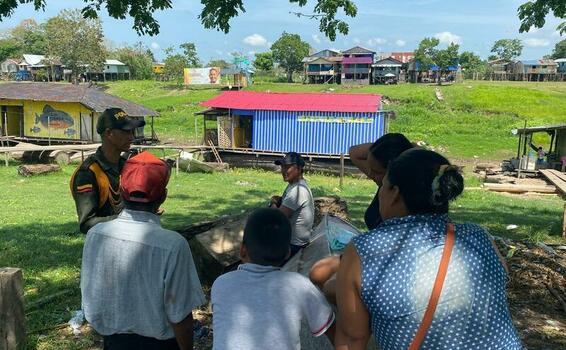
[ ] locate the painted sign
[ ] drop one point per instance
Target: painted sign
(52, 120)
(199, 76)
(334, 119)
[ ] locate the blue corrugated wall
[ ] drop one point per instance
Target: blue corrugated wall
(301, 132)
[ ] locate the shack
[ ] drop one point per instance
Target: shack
(62, 113)
(386, 71)
(309, 123)
(555, 154)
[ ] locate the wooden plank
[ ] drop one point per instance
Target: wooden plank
(511, 188)
(564, 223)
(555, 179)
(12, 316)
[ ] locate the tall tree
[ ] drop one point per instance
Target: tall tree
(425, 53)
(137, 57)
(471, 63)
(9, 48)
(216, 14)
(175, 63)
(289, 51)
(218, 63)
(507, 48)
(559, 50)
(446, 58)
(76, 41)
(533, 14)
(190, 52)
(30, 36)
(263, 61)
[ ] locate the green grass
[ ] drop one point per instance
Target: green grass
(38, 230)
(475, 118)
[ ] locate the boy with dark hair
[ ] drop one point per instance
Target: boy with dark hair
(259, 306)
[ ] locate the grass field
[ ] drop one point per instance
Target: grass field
(475, 119)
(39, 230)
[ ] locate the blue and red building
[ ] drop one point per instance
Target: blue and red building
(308, 123)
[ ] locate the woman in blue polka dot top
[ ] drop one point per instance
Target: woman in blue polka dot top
(386, 276)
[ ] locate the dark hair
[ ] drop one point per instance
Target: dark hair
(267, 236)
(388, 147)
(426, 180)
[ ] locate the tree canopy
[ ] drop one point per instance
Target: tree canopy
(533, 14)
(428, 54)
(559, 50)
(289, 51)
(216, 14)
(263, 61)
(76, 41)
(507, 48)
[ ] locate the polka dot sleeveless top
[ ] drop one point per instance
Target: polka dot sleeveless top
(400, 259)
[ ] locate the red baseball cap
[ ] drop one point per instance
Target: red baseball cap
(144, 178)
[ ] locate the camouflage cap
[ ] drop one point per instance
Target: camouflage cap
(116, 118)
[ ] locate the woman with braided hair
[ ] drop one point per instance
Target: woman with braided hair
(419, 281)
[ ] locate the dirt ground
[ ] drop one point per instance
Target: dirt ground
(537, 293)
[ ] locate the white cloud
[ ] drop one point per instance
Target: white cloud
(316, 38)
(448, 38)
(357, 40)
(532, 30)
(536, 42)
(255, 40)
(555, 34)
(400, 43)
(376, 41)
(154, 45)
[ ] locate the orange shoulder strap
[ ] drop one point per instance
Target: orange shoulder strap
(101, 180)
(436, 290)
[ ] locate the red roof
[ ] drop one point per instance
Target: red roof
(353, 60)
(304, 102)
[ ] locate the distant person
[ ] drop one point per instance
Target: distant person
(95, 184)
(372, 159)
(297, 202)
(258, 306)
(139, 283)
(541, 156)
(386, 275)
(213, 75)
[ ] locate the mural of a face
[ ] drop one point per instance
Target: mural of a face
(213, 75)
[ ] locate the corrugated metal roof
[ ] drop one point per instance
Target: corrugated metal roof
(560, 60)
(357, 49)
(324, 102)
(353, 60)
(92, 98)
(538, 63)
(114, 63)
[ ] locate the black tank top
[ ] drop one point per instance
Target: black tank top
(371, 216)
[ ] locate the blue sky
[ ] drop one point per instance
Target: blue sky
(381, 25)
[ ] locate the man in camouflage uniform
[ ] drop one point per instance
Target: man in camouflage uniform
(95, 185)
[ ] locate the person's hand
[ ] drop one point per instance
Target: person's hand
(159, 211)
(276, 201)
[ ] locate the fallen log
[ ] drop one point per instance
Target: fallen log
(519, 188)
(36, 169)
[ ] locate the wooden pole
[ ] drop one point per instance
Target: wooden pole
(564, 222)
(12, 316)
(341, 169)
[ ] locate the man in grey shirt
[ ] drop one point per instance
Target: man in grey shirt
(297, 202)
(139, 283)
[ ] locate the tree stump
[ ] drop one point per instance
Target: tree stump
(36, 169)
(12, 316)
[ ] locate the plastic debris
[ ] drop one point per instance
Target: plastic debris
(76, 321)
(511, 227)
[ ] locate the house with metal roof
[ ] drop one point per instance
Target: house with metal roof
(323, 67)
(113, 70)
(356, 65)
(64, 113)
(308, 123)
(535, 67)
(561, 62)
(386, 70)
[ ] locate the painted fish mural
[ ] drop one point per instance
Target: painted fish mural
(35, 129)
(70, 132)
(53, 118)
